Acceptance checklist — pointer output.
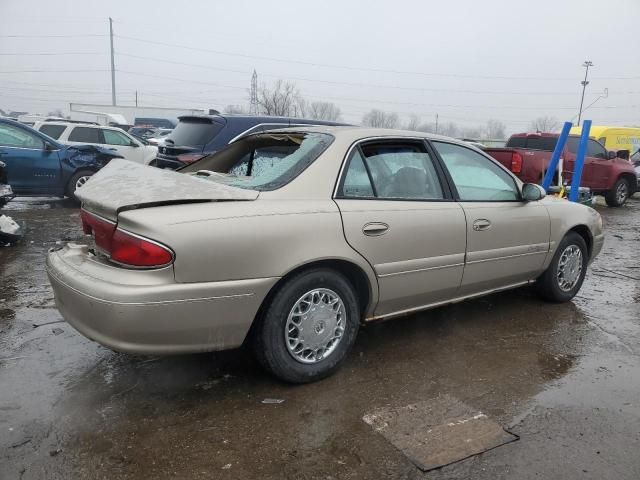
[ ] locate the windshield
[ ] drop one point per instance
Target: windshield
(265, 161)
(194, 132)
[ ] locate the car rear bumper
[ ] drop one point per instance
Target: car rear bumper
(147, 312)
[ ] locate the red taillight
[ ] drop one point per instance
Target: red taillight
(137, 251)
(516, 162)
(101, 229)
(124, 247)
(190, 157)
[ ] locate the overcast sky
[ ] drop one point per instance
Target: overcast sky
(466, 60)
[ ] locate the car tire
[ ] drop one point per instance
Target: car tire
(618, 195)
(562, 280)
(75, 181)
(283, 346)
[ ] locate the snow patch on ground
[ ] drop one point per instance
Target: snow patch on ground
(7, 225)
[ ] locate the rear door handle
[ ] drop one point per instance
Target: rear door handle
(481, 224)
(375, 229)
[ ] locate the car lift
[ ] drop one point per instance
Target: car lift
(575, 194)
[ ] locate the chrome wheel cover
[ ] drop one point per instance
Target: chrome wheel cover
(622, 192)
(82, 180)
(569, 268)
(315, 325)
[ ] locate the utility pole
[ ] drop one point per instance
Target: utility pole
(113, 67)
(436, 123)
(136, 98)
(586, 64)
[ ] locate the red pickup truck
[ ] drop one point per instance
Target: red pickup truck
(605, 173)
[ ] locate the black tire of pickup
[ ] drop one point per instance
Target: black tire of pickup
(618, 195)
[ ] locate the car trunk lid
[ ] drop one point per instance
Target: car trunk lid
(124, 185)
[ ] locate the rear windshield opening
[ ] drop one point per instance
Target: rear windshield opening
(194, 133)
(547, 144)
(265, 161)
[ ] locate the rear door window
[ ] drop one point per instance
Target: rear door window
(86, 135)
(594, 149)
(194, 133)
(392, 171)
(112, 137)
(54, 131)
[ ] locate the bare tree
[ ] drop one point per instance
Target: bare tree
(56, 113)
(379, 119)
(282, 99)
(496, 129)
(545, 124)
(428, 127)
(323, 111)
(235, 110)
(448, 129)
(413, 123)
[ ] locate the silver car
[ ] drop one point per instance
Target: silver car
(291, 239)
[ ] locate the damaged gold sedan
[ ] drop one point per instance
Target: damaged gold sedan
(291, 239)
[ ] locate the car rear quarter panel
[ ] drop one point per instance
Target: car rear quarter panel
(237, 240)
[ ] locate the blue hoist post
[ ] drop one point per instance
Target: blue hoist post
(577, 168)
(555, 157)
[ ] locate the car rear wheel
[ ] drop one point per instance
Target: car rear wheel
(618, 195)
(308, 326)
(564, 276)
(77, 181)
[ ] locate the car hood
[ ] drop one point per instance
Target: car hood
(123, 185)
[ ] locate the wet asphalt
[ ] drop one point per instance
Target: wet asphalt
(565, 378)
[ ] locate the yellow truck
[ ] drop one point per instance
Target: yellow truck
(614, 138)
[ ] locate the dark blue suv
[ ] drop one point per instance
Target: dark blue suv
(39, 165)
(198, 135)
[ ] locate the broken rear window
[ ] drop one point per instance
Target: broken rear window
(265, 161)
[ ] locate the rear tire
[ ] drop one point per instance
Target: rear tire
(618, 195)
(308, 326)
(77, 180)
(562, 280)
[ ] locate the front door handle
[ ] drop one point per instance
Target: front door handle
(481, 224)
(374, 229)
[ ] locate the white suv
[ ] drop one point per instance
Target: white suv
(71, 133)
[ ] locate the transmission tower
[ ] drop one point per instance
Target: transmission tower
(253, 102)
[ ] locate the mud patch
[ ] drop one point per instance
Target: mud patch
(438, 432)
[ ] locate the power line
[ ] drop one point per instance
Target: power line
(344, 67)
(354, 84)
(129, 72)
(50, 54)
(74, 35)
(54, 71)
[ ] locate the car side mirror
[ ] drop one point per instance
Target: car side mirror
(532, 192)
(134, 144)
(48, 147)
(623, 154)
(611, 154)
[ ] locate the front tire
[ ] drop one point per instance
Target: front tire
(76, 181)
(308, 326)
(562, 280)
(618, 195)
